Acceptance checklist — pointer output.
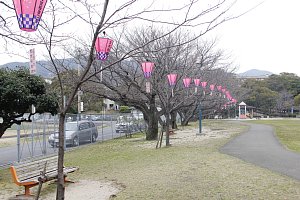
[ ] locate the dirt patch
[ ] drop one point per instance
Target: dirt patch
(187, 136)
(85, 189)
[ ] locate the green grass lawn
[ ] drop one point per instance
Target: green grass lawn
(195, 170)
(287, 131)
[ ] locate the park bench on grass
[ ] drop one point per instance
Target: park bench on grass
(171, 131)
(28, 174)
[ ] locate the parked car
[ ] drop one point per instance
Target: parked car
(76, 133)
(124, 127)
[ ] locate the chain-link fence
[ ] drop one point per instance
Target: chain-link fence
(40, 137)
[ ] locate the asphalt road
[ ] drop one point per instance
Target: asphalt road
(260, 146)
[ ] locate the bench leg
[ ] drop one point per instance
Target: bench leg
(27, 191)
(67, 181)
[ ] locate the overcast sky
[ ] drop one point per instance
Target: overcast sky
(267, 38)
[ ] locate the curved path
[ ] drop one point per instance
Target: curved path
(260, 146)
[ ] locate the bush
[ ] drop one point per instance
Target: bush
(124, 109)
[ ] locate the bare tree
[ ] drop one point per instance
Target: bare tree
(56, 34)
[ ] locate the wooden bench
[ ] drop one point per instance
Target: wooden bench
(171, 132)
(28, 173)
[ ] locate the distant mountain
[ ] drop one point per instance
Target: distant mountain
(41, 66)
(255, 73)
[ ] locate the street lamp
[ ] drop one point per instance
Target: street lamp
(200, 117)
(197, 84)
(172, 82)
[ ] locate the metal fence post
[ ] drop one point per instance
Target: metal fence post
(18, 141)
(111, 126)
(32, 136)
(44, 136)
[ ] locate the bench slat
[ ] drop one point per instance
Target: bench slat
(52, 174)
(27, 173)
(35, 169)
(34, 162)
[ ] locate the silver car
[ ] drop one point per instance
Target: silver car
(76, 132)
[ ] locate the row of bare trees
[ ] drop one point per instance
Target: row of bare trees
(70, 29)
(124, 82)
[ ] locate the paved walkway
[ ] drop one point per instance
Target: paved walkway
(260, 146)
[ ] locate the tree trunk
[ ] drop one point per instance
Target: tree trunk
(167, 125)
(60, 193)
(4, 126)
(173, 120)
(2, 129)
(152, 130)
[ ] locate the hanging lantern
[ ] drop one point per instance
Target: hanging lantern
(103, 46)
(212, 87)
(223, 91)
(219, 88)
(228, 96)
(203, 84)
(29, 13)
(172, 81)
(187, 82)
(197, 83)
(147, 68)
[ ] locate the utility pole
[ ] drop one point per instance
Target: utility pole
(79, 93)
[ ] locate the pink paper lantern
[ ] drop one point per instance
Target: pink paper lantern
(172, 79)
(197, 82)
(103, 46)
(212, 87)
(29, 13)
(203, 84)
(219, 87)
(147, 68)
(187, 82)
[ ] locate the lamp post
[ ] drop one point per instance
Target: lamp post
(172, 82)
(197, 84)
(200, 118)
(211, 87)
(203, 84)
